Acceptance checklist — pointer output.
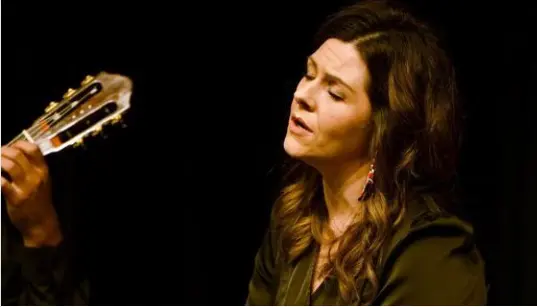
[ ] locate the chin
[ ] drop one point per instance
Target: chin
(296, 149)
(292, 147)
(299, 151)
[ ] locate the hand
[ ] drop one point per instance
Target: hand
(28, 195)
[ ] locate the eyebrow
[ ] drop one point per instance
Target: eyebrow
(332, 77)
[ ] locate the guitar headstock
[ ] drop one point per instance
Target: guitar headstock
(83, 111)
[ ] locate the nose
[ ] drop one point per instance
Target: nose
(304, 97)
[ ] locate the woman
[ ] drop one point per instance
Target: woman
(373, 131)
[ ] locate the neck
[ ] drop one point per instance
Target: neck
(20, 137)
(342, 186)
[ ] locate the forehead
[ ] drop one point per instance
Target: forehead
(340, 59)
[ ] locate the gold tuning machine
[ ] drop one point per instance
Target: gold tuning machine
(116, 119)
(79, 143)
(87, 80)
(97, 130)
(69, 93)
(51, 106)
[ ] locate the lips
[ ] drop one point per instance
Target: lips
(300, 123)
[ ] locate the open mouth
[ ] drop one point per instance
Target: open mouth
(300, 123)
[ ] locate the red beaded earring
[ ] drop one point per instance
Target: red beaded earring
(368, 187)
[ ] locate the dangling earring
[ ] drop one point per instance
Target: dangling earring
(369, 184)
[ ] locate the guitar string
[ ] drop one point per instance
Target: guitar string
(48, 118)
(38, 129)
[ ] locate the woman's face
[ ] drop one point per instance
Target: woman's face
(332, 102)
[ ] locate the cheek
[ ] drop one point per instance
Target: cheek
(346, 130)
(341, 122)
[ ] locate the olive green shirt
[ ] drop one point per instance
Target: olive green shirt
(431, 259)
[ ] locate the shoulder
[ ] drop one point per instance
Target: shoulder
(433, 259)
(425, 219)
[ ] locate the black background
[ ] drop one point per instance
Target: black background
(172, 208)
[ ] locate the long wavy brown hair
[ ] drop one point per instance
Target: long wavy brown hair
(414, 141)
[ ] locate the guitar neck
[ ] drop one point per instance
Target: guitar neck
(45, 145)
(20, 137)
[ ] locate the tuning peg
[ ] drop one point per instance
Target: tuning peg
(79, 143)
(97, 130)
(116, 119)
(69, 93)
(87, 80)
(51, 106)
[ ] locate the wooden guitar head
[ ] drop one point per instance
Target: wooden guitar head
(98, 101)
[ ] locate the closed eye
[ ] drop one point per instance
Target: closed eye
(309, 77)
(335, 97)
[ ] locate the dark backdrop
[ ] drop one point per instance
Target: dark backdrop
(171, 209)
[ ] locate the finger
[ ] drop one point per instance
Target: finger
(14, 170)
(31, 150)
(16, 155)
(9, 192)
(5, 183)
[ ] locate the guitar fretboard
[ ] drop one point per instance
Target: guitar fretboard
(44, 144)
(20, 137)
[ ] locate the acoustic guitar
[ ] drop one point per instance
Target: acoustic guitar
(100, 100)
